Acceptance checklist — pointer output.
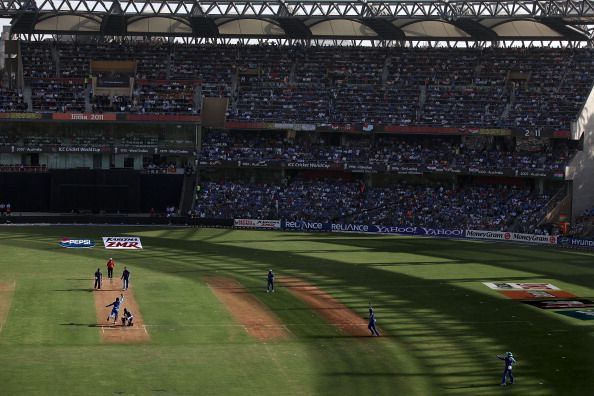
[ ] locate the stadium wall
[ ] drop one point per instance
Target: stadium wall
(160, 191)
(581, 168)
(80, 190)
(28, 192)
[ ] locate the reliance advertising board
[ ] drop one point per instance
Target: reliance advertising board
(371, 228)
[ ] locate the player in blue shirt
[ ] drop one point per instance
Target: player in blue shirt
(116, 308)
(507, 370)
(270, 285)
(371, 325)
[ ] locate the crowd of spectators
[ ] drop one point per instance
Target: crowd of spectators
(492, 87)
(12, 100)
(57, 95)
(469, 151)
(588, 212)
(484, 207)
(5, 209)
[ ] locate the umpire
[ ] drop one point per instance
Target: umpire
(98, 279)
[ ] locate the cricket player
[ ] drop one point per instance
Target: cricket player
(110, 266)
(507, 370)
(116, 308)
(270, 285)
(98, 279)
(127, 317)
(125, 278)
(371, 325)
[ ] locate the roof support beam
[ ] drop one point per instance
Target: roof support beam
(114, 23)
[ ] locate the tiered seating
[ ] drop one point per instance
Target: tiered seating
(173, 97)
(471, 151)
(474, 206)
(12, 100)
(57, 95)
(521, 88)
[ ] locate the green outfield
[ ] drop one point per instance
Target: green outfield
(443, 326)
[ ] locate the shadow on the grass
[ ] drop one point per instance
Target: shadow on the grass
(426, 308)
(89, 324)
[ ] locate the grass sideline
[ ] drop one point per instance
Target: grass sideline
(445, 327)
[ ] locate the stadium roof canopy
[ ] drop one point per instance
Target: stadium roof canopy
(395, 21)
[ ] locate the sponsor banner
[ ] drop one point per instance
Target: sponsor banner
(314, 165)
(255, 223)
(428, 130)
(306, 225)
(54, 149)
(336, 127)
(76, 243)
(217, 163)
(295, 127)
(127, 243)
(21, 116)
(371, 228)
(179, 151)
(560, 304)
(162, 117)
(527, 173)
(245, 125)
(531, 238)
(501, 285)
(351, 228)
(584, 243)
(84, 116)
(520, 286)
(530, 294)
(21, 149)
(398, 230)
(445, 169)
(134, 150)
(494, 235)
(403, 169)
(80, 149)
(365, 168)
(406, 169)
(259, 164)
(485, 171)
(494, 132)
(512, 236)
(562, 134)
(581, 314)
(409, 230)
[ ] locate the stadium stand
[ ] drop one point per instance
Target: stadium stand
(520, 88)
(478, 207)
(429, 122)
(470, 151)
